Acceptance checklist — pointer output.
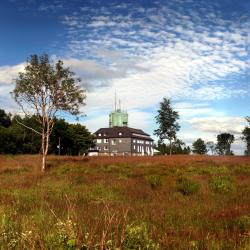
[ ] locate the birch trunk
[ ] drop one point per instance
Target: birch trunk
(43, 151)
(170, 151)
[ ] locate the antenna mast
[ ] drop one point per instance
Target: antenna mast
(120, 104)
(115, 101)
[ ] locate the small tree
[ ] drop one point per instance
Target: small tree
(5, 119)
(199, 147)
(246, 136)
(44, 89)
(211, 146)
(167, 121)
(224, 141)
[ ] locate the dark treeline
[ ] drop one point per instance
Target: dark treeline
(74, 139)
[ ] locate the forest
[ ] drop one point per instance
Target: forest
(17, 138)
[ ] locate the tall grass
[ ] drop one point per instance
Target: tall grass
(179, 202)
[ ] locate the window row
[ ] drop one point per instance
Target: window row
(141, 149)
(143, 142)
(113, 141)
(104, 134)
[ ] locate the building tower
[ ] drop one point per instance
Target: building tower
(118, 118)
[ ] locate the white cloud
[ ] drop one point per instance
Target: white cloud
(217, 125)
(9, 73)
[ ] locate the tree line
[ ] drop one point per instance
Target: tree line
(65, 139)
(168, 126)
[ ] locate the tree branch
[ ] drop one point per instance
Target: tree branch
(28, 127)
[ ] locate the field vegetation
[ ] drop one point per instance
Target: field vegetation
(178, 202)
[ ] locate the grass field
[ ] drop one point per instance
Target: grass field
(179, 202)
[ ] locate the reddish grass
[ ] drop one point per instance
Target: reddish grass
(104, 194)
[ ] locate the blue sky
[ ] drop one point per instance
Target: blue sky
(195, 52)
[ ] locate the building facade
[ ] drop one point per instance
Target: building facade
(123, 141)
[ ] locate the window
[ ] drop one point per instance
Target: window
(104, 134)
(120, 140)
(134, 141)
(105, 148)
(113, 142)
(134, 147)
(99, 140)
(106, 140)
(99, 148)
(120, 133)
(99, 134)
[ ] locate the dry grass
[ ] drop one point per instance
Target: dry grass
(91, 202)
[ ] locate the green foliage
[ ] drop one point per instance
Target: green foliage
(167, 121)
(222, 184)
(16, 139)
(186, 186)
(155, 181)
(63, 236)
(199, 147)
(137, 238)
(243, 224)
(10, 232)
(246, 136)
(224, 141)
(242, 169)
(5, 119)
(178, 147)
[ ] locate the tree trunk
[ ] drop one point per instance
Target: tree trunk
(43, 151)
(170, 152)
(44, 162)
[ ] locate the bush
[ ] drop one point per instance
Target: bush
(136, 237)
(222, 184)
(243, 224)
(187, 187)
(155, 181)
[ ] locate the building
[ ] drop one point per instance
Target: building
(123, 141)
(118, 118)
(119, 139)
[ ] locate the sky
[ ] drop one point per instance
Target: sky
(195, 52)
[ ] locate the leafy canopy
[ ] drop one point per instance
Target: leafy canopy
(224, 142)
(199, 147)
(167, 121)
(45, 88)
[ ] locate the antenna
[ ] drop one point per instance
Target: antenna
(120, 104)
(115, 100)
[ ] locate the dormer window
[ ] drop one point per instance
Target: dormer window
(120, 133)
(99, 134)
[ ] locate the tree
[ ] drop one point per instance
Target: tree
(211, 147)
(246, 136)
(5, 119)
(44, 89)
(178, 147)
(167, 121)
(224, 142)
(81, 139)
(199, 147)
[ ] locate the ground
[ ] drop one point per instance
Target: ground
(161, 202)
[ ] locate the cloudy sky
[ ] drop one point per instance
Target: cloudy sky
(195, 52)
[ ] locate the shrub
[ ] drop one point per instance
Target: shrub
(136, 237)
(222, 184)
(10, 233)
(187, 187)
(155, 181)
(243, 224)
(63, 236)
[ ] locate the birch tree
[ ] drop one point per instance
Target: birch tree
(43, 89)
(167, 121)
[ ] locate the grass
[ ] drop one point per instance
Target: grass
(179, 202)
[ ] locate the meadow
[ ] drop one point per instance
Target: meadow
(161, 202)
